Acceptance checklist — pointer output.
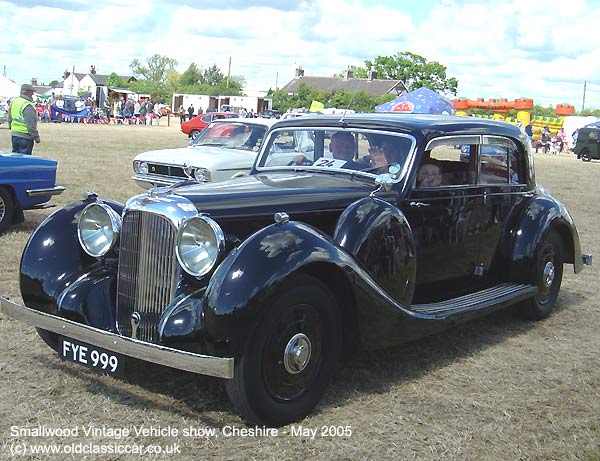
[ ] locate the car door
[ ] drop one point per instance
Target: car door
(502, 179)
(445, 220)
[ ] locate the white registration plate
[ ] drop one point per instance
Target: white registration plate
(91, 356)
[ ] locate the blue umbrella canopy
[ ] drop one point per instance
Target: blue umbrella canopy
(421, 101)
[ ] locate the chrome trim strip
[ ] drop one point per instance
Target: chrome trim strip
(156, 179)
(220, 367)
(56, 190)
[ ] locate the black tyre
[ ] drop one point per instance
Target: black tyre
(291, 356)
(51, 339)
(586, 155)
(7, 209)
(194, 133)
(547, 276)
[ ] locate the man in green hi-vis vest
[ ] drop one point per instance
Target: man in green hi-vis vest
(22, 121)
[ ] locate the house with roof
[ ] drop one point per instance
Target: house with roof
(370, 85)
(75, 83)
(96, 83)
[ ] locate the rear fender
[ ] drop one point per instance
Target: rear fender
(529, 224)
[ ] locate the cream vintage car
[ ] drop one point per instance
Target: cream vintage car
(225, 149)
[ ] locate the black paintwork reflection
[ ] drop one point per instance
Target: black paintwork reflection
(53, 259)
(379, 236)
(239, 290)
(183, 322)
(447, 229)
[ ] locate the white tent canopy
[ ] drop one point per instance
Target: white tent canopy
(8, 88)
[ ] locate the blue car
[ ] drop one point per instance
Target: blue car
(26, 183)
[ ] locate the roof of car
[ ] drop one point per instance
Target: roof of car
(255, 121)
(423, 123)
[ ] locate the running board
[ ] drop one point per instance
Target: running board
(497, 296)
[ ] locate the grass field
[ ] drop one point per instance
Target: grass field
(497, 388)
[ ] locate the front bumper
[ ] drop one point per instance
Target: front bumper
(220, 367)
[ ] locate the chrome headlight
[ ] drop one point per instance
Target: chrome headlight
(98, 229)
(202, 175)
(140, 167)
(200, 241)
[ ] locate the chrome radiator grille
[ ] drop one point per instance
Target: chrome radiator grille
(148, 272)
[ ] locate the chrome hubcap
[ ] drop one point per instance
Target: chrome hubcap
(548, 273)
(297, 353)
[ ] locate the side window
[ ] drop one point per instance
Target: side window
(499, 162)
(449, 162)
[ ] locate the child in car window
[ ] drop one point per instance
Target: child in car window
(430, 174)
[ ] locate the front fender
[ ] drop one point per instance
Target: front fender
(236, 294)
(53, 258)
(380, 237)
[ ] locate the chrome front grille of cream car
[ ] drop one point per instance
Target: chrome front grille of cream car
(148, 273)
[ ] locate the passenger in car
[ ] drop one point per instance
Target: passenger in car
(381, 157)
(430, 174)
(341, 147)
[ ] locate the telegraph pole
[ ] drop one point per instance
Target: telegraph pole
(228, 72)
(583, 102)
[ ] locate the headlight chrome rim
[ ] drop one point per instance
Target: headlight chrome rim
(191, 245)
(98, 242)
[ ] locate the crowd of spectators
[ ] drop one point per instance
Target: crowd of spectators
(126, 111)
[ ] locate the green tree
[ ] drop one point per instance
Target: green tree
(210, 81)
(589, 111)
(114, 80)
(359, 101)
(541, 111)
(155, 69)
(191, 76)
(413, 70)
(357, 72)
(212, 76)
(159, 92)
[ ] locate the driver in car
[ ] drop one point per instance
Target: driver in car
(341, 147)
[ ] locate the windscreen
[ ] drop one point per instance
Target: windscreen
(241, 136)
(353, 150)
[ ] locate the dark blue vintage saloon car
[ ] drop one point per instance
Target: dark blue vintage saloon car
(351, 232)
(26, 183)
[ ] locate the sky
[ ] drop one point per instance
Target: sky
(543, 50)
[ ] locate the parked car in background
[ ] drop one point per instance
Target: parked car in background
(270, 113)
(194, 126)
(336, 241)
(27, 182)
(225, 149)
(587, 146)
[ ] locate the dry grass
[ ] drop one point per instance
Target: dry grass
(498, 388)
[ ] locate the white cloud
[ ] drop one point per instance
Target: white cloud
(544, 50)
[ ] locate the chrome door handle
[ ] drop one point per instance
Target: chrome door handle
(419, 204)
